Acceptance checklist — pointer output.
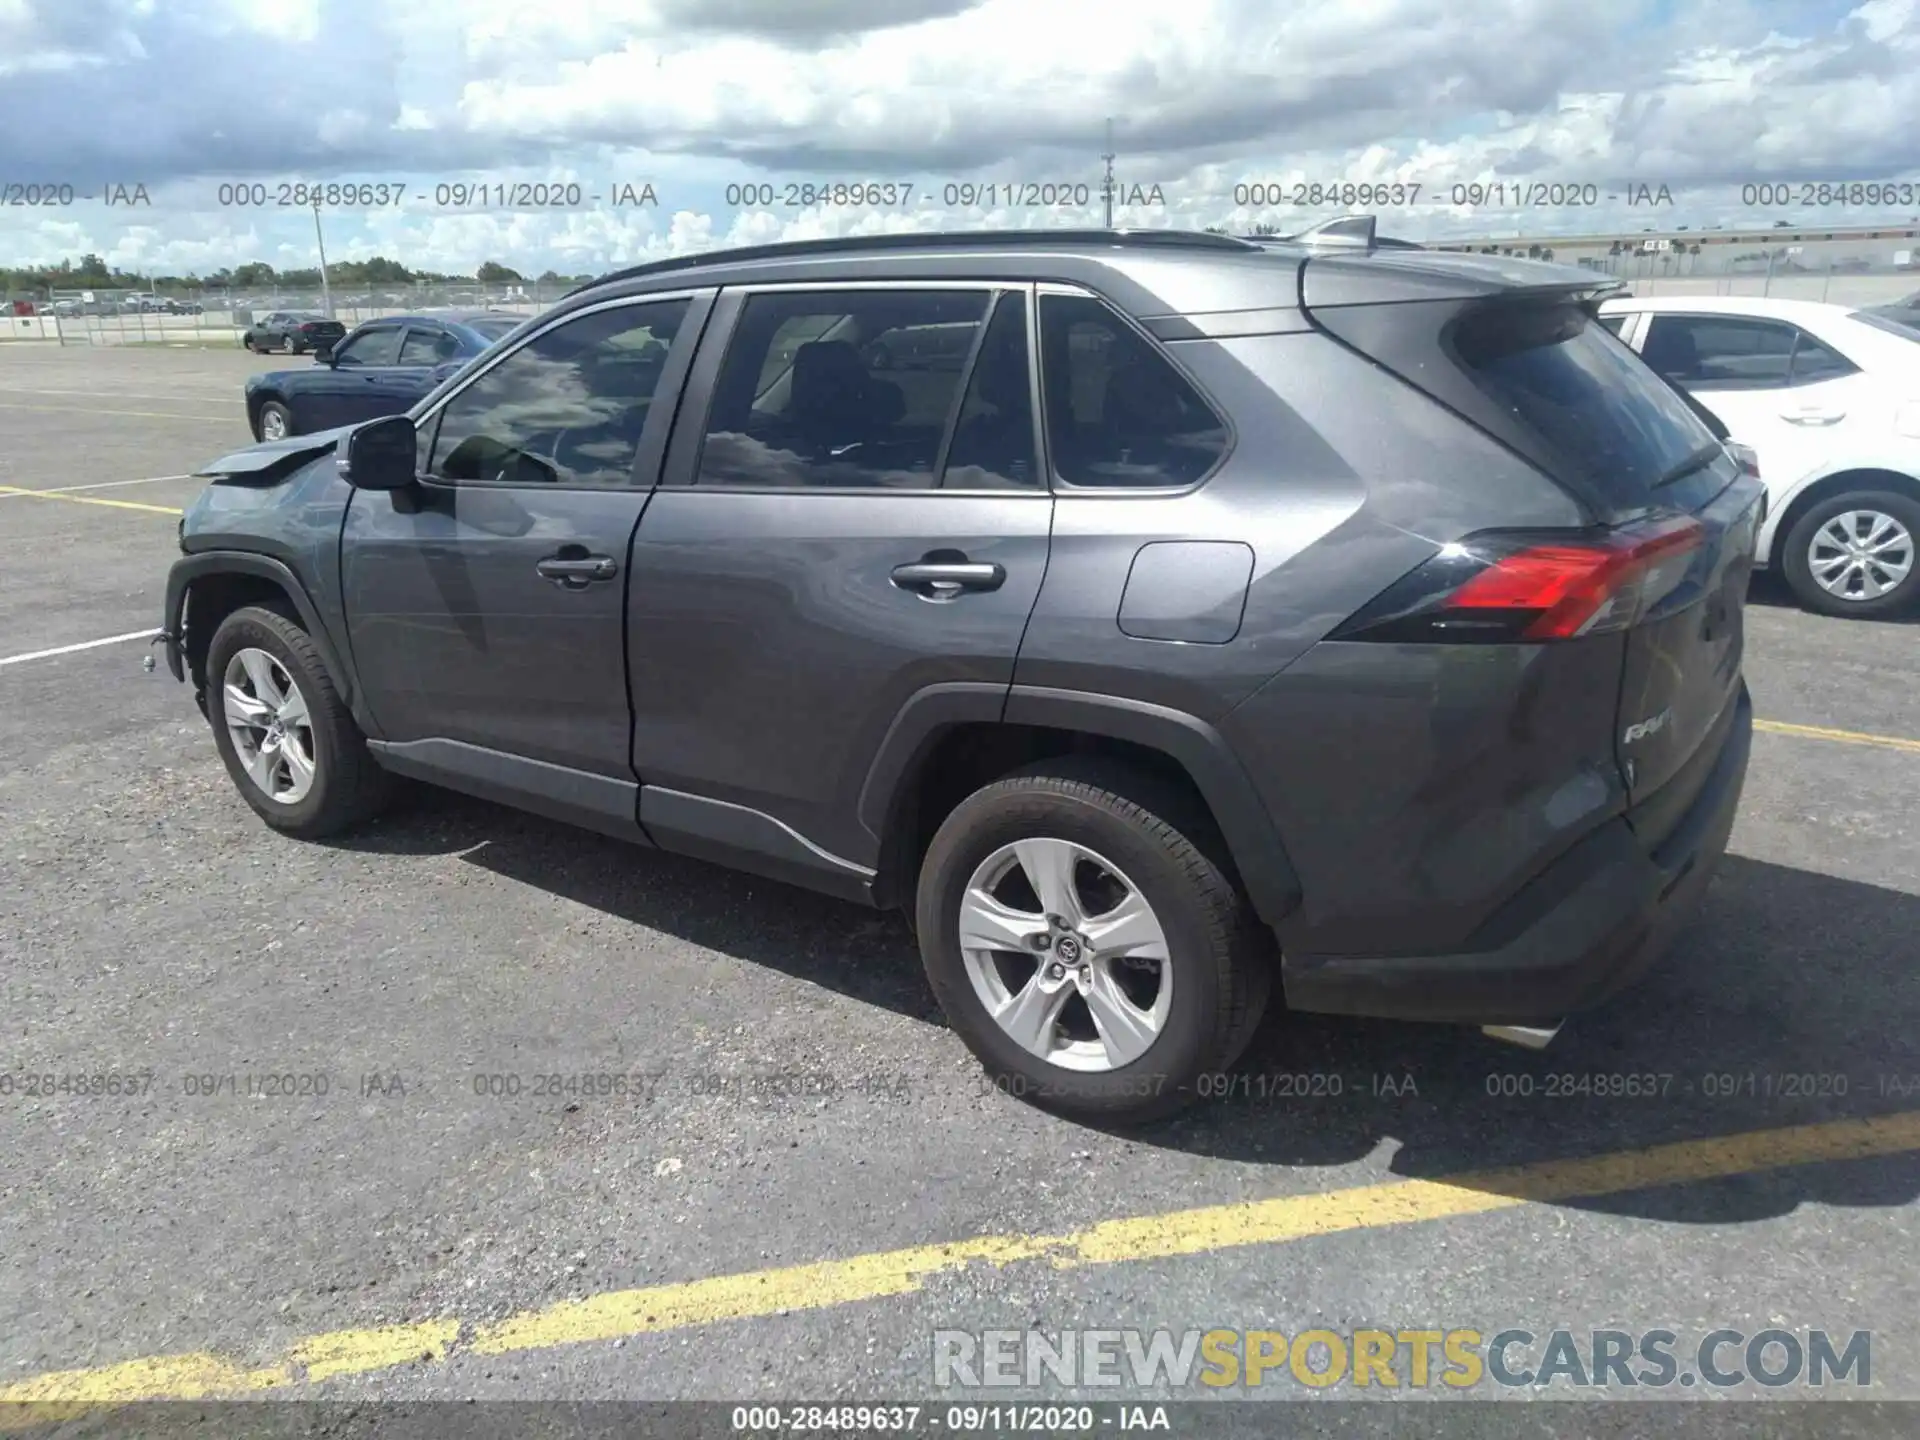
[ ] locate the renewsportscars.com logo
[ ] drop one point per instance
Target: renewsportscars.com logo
(1161, 1360)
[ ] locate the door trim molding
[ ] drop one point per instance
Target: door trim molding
(560, 792)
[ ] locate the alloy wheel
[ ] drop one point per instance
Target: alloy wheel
(269, 724)
(1860, 555)
(1066, 954)
(273, 424)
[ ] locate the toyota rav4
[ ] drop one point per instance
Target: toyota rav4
(1359, 619)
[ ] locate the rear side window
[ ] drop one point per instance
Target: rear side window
(1615, 323)
(1605, 421)
(1119, 415)
(1732, 352)
(843, 389)
(423, 347)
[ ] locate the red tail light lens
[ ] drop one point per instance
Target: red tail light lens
(1509, 586)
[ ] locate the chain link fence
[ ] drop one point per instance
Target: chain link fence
(1852, 270)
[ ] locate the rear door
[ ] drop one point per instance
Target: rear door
(831, 538)
(1775, 386)
(1540, 373)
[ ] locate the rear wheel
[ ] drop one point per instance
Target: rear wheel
(285, 735)
(1853, 554)
(1086, 946)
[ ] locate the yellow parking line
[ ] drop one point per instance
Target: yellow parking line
(87, 500)
(829, 1283)
(138, 414)
(1850, 737)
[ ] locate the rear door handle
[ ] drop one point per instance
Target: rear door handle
(576, 572)
(943, 579)
(1814, 416)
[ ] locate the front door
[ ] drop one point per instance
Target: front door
(485, 605)
(342, 390)
(832, 537)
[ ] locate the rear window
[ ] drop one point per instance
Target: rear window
(493, 329)
(1608, 423)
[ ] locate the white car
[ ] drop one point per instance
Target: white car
(1828, 400)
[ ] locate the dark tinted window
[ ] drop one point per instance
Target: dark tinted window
(1720, 352)
(1814, 362)
(494, 329)
(992, 444)
(1615, 323)
(1604, 418)
(371, 347)
(804, 397)
(1118, 413)
(565, 407)
(425, 347)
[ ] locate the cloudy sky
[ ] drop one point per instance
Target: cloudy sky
(463, 101)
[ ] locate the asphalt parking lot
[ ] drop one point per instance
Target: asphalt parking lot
(420, 1229)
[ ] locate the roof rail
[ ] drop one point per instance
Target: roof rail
(920, 239)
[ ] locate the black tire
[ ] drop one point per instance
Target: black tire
(1794, 564)
(349, 787)
(1222, 956)
(286, 415)
(246, 344)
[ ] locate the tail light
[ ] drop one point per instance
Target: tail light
(1746, 455)
(1506, 586)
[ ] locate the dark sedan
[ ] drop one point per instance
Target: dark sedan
(380, 369)
(292, 332)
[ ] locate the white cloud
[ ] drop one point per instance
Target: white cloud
(695, 94)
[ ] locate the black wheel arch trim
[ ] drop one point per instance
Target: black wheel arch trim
(189, 568)
(1258, 853)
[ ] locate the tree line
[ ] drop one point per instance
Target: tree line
(91, 272)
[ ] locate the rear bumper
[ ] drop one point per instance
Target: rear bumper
(1587, 926)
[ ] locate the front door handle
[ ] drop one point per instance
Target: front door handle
(943, 579)
(575, 571)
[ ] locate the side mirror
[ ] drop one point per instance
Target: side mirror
(381, 454)
(323, 355)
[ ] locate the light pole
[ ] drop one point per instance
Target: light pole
(1106, 188)
(326, 291)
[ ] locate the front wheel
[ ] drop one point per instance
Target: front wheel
(285, 735)
(1853, 555)
(276, 421)
(1087, 946)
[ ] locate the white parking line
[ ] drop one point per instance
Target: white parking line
(146, 634)
(96, 485)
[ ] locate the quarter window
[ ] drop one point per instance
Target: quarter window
(855, 388)
(1118, 413)
(568, 407)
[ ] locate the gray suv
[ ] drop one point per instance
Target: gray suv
(1361, 618)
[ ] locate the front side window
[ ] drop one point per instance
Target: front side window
(370, 347)
(1118, 414)
(813, 393)
(567, 407)
(424, 347)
